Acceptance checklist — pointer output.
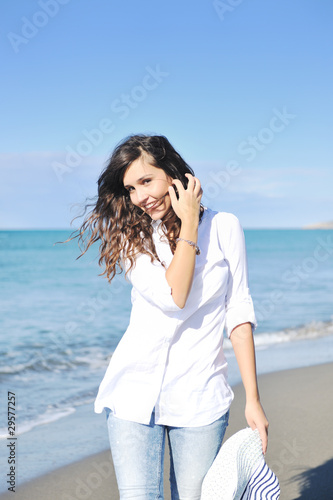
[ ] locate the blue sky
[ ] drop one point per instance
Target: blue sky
(242, 89)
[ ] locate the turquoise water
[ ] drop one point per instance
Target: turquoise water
(60, 321)
(290, 275)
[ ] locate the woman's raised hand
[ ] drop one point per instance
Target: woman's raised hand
(187, 205)
(180, 272)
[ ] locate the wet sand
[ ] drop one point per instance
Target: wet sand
(299, 407)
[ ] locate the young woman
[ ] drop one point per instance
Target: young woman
(168, 375)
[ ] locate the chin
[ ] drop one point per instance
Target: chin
(157, 216)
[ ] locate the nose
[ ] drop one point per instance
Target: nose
(141, 196)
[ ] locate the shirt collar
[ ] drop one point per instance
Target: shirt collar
(156, 223)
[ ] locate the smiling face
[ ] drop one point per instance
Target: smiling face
(148, 187)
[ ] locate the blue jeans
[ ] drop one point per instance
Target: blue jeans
(138, 453)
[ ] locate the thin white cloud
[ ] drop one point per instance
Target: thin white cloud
(267, 182)
(32, 195)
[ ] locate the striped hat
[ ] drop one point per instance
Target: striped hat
(239, 471)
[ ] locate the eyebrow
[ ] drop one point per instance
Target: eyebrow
(139, 180)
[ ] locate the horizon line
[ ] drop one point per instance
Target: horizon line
(246, 228)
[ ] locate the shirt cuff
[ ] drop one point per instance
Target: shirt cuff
(239, 313)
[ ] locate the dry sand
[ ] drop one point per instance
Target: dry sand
(299, 407)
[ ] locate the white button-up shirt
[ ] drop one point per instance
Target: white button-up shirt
(172, 359)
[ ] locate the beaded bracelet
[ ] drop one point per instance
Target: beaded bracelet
(197, 249)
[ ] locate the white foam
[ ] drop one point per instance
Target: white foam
(46, 418)
(93, 358)
(309, 331)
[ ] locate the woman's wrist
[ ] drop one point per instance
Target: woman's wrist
(253, 398)
(189, 230)
(191, 243)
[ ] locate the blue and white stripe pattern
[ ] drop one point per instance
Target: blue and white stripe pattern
(239, 471)
(263, 485)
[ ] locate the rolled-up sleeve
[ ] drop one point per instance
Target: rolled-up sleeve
(148, 279)
(238, 301)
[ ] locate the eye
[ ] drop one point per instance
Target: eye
(146, 181)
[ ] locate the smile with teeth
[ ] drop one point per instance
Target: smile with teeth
(153, 204)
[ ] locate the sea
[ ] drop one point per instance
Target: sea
(61, 321)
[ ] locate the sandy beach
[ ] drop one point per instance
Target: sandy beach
(299, 407)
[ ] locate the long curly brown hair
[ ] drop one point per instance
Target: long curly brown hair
(124, 230)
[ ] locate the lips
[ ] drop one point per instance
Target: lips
(151, 206)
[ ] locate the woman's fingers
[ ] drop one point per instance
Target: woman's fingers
(197, 187)
(173, 196)
(178, 184)
(192, 181)
(193, 185)
(256, 418)
(263, 431)
(186, 201)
